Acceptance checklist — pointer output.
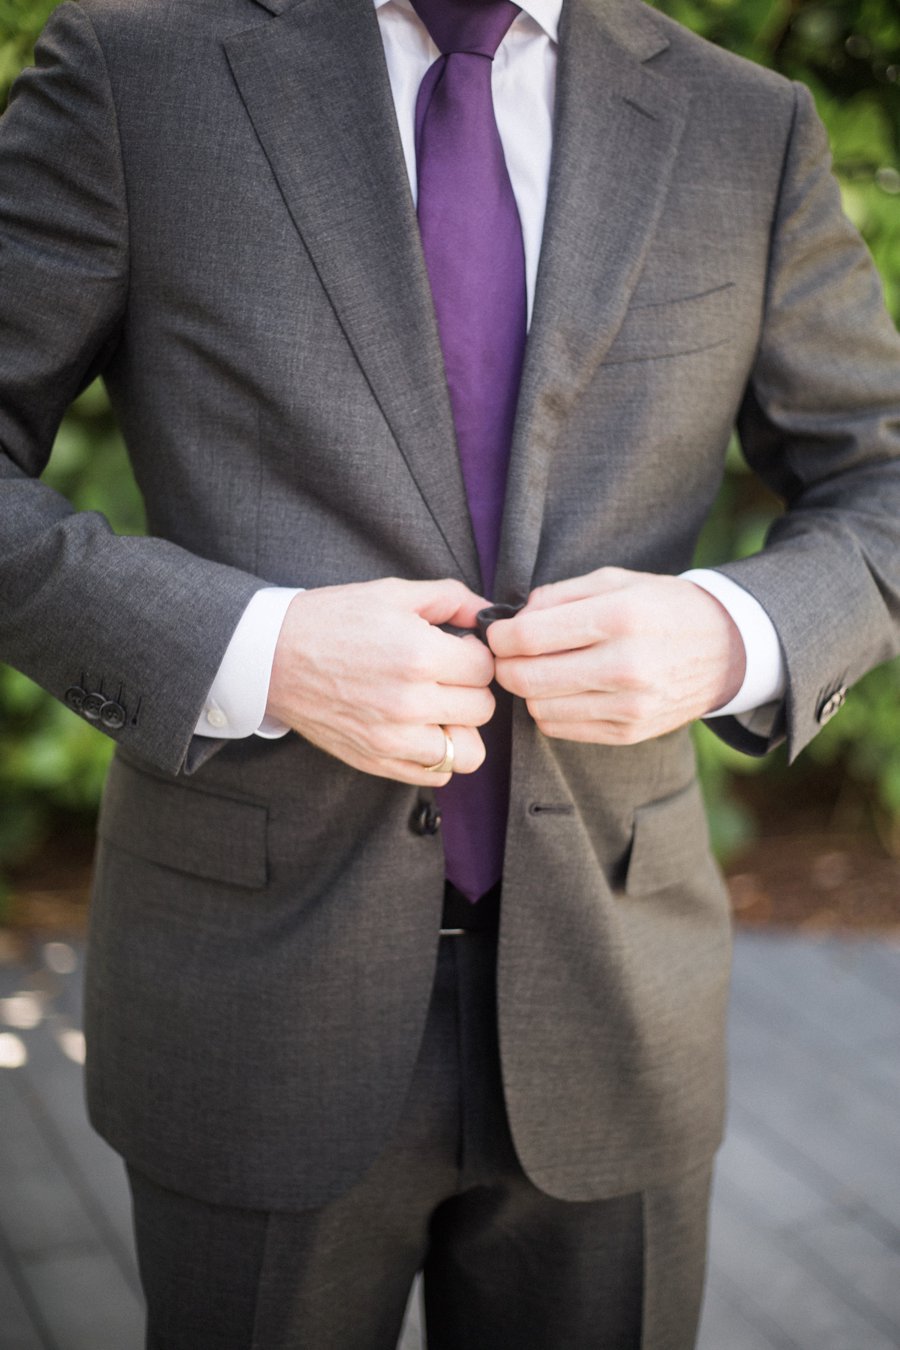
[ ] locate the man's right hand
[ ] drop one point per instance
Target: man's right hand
(364, 673)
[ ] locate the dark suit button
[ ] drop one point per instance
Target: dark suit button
(830, 705)
(485, 617)
(112, 715)
(75, 697)
(425, 819)
(92, 705)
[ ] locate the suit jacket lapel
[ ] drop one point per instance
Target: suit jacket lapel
(617, 128)
(315, 84)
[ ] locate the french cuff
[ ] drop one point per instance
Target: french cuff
(236, 703)
(765, 676)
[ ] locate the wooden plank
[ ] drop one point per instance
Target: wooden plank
(39, 1209)
(814, 1247)
(883, 1069)
(56, 1088)
(847, 1252)
(55, 1084)
(809, 1096)
(63, 1262)
(724, 1326)
(822, 1131)
(781, 1296)
(823, 987)
(86, 1302)
(20, 1329)
(781, 1197)
(883, 967)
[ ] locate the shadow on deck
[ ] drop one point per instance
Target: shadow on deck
(805, 1248)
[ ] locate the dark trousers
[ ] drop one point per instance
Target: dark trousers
(505, 1266)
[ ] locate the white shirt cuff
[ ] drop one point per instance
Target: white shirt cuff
(236, 704)
(765, 677)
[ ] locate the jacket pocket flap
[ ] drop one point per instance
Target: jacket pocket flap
(670, 840)
(676, 327)
(221, 838)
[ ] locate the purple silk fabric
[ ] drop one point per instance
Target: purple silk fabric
(472, 241)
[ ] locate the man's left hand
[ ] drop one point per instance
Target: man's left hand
(618, 657)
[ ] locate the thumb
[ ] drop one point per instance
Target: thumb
(446, 601)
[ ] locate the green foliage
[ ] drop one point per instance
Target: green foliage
(848, 53)
(20, 23)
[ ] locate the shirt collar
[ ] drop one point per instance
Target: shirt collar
(545, 13)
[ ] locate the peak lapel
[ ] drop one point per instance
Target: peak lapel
(314, 82)
(616, 133)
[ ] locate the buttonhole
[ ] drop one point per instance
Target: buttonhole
(550, 808)
(645, 112)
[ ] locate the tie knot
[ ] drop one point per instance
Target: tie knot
(476, 26)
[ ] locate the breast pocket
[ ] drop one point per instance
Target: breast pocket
(654, 330)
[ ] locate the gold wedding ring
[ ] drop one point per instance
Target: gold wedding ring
(444, 765)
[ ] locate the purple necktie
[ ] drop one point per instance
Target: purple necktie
(472, 241)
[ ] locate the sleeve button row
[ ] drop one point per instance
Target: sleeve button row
(96, 707)
(831, 704)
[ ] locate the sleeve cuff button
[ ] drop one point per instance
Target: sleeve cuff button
(829, 706)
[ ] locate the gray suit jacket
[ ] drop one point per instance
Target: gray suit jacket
(207, 202)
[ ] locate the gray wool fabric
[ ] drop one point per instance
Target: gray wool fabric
(226, 231)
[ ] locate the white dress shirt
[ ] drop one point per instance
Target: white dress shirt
(523, 83)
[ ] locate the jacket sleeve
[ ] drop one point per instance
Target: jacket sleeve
(820, 423)
(135, 625)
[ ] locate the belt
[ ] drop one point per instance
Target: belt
(460, 915)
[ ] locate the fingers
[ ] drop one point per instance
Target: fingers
(468, 749)
(458, 661)
(459, 706)
(637, 656)
(594, 706)
(444, 601)
(417, 737)
(591, 669)
(580, 623)
(468, 755)
(363, 672)
(409, 753)
(568, 614)
(600, 582)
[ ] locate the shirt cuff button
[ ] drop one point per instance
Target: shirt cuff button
(216, 718)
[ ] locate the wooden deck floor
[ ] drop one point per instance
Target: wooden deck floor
(805, 1250)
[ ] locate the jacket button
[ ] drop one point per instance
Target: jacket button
(74, 696)
(485, 617)
(92, 705)
(425, 819)
(112, 715)
(831, 705)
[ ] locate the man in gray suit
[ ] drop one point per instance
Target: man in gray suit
(295, 1037)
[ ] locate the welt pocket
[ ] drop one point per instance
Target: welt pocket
(670, 840)
(202, 833)
(675, 327)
